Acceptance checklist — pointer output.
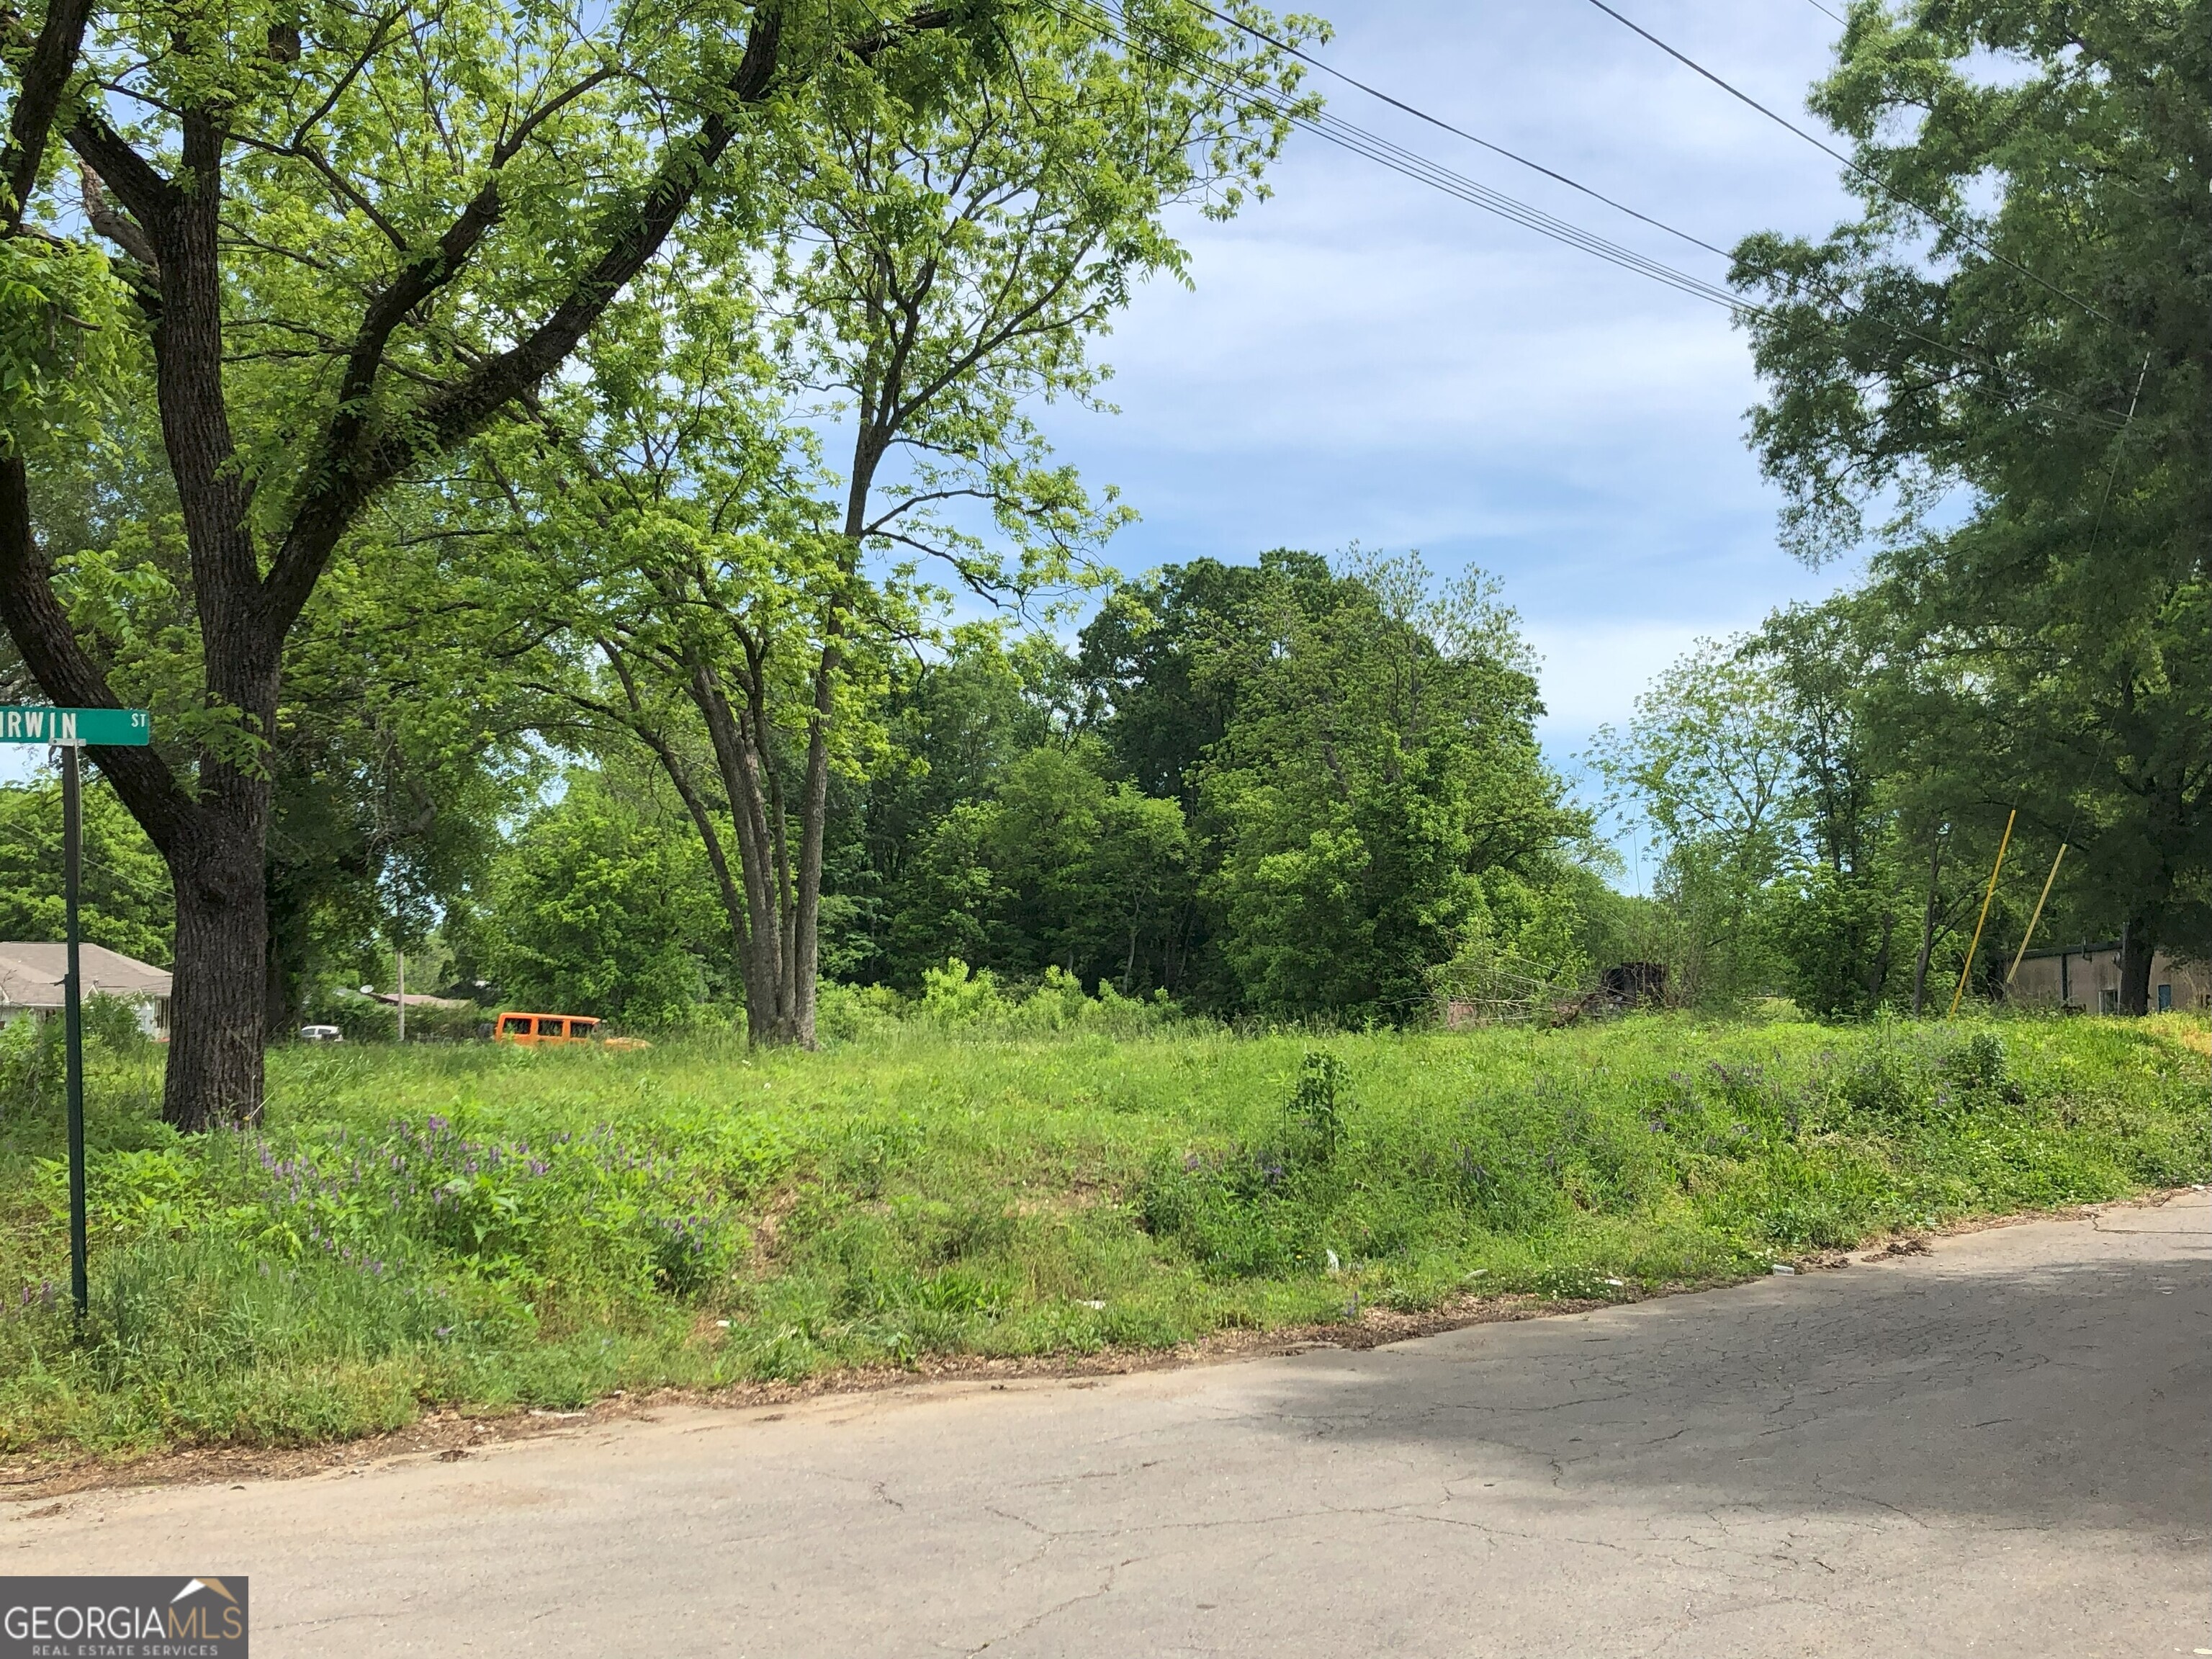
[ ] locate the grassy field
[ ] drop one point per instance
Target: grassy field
(484, 1228)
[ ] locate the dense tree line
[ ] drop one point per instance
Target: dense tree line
(1278, 788)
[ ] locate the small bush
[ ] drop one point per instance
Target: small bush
(958, 997)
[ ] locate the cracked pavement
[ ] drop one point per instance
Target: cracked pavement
(2003, 1447)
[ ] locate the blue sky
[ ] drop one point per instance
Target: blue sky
(1365, 358)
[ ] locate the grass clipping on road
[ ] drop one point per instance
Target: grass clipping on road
(482, 1228)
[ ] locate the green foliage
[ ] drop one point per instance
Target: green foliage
(124, 904)
(1381, 757)
(487, 1227)
(31, 1060)
(389, 804)
(1532, 945)
(953, 724)
(602, 905)
(2041, 356)
(1709, 765)
(1058, 867)
(1839, 933)
(63, 344)
(1336, 787)
(33, 1055)
(1161, 651)
(1804, 834)
(957, 998)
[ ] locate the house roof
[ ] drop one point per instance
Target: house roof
(418, 1000)
(31, 974)
(2051, 953)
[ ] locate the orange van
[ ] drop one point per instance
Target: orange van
(550, 1030)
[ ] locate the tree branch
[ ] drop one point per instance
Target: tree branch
(354, 468)
(152, 199)
(45, 78)
(126, 234)
(41, 630)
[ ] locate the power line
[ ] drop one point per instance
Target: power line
(1410, 163)
(1236, 80)
(1866, 173)
(1439, 122)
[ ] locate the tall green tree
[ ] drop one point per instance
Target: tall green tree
(955, 719)
(2021, 318)
(1844, 917)
(1169, 653)
(347, 240)
(1710, 762)
(947, 263)
(601, 904)
(1381, 757)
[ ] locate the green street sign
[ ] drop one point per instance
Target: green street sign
(111, 728)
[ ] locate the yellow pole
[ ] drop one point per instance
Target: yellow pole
(1959, 995)
(2028, 938)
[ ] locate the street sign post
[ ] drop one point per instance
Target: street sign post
(70, 730)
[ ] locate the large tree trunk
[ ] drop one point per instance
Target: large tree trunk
(218, 1016)
(739, 739)
(2138, 944)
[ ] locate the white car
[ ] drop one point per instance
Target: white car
(321, 1034)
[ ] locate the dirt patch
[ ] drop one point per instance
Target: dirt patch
(450, 1435)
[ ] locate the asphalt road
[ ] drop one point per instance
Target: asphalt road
(2003, 1448)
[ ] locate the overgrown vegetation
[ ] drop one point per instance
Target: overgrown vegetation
(487, 1227)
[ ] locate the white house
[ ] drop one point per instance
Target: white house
(30, 982)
